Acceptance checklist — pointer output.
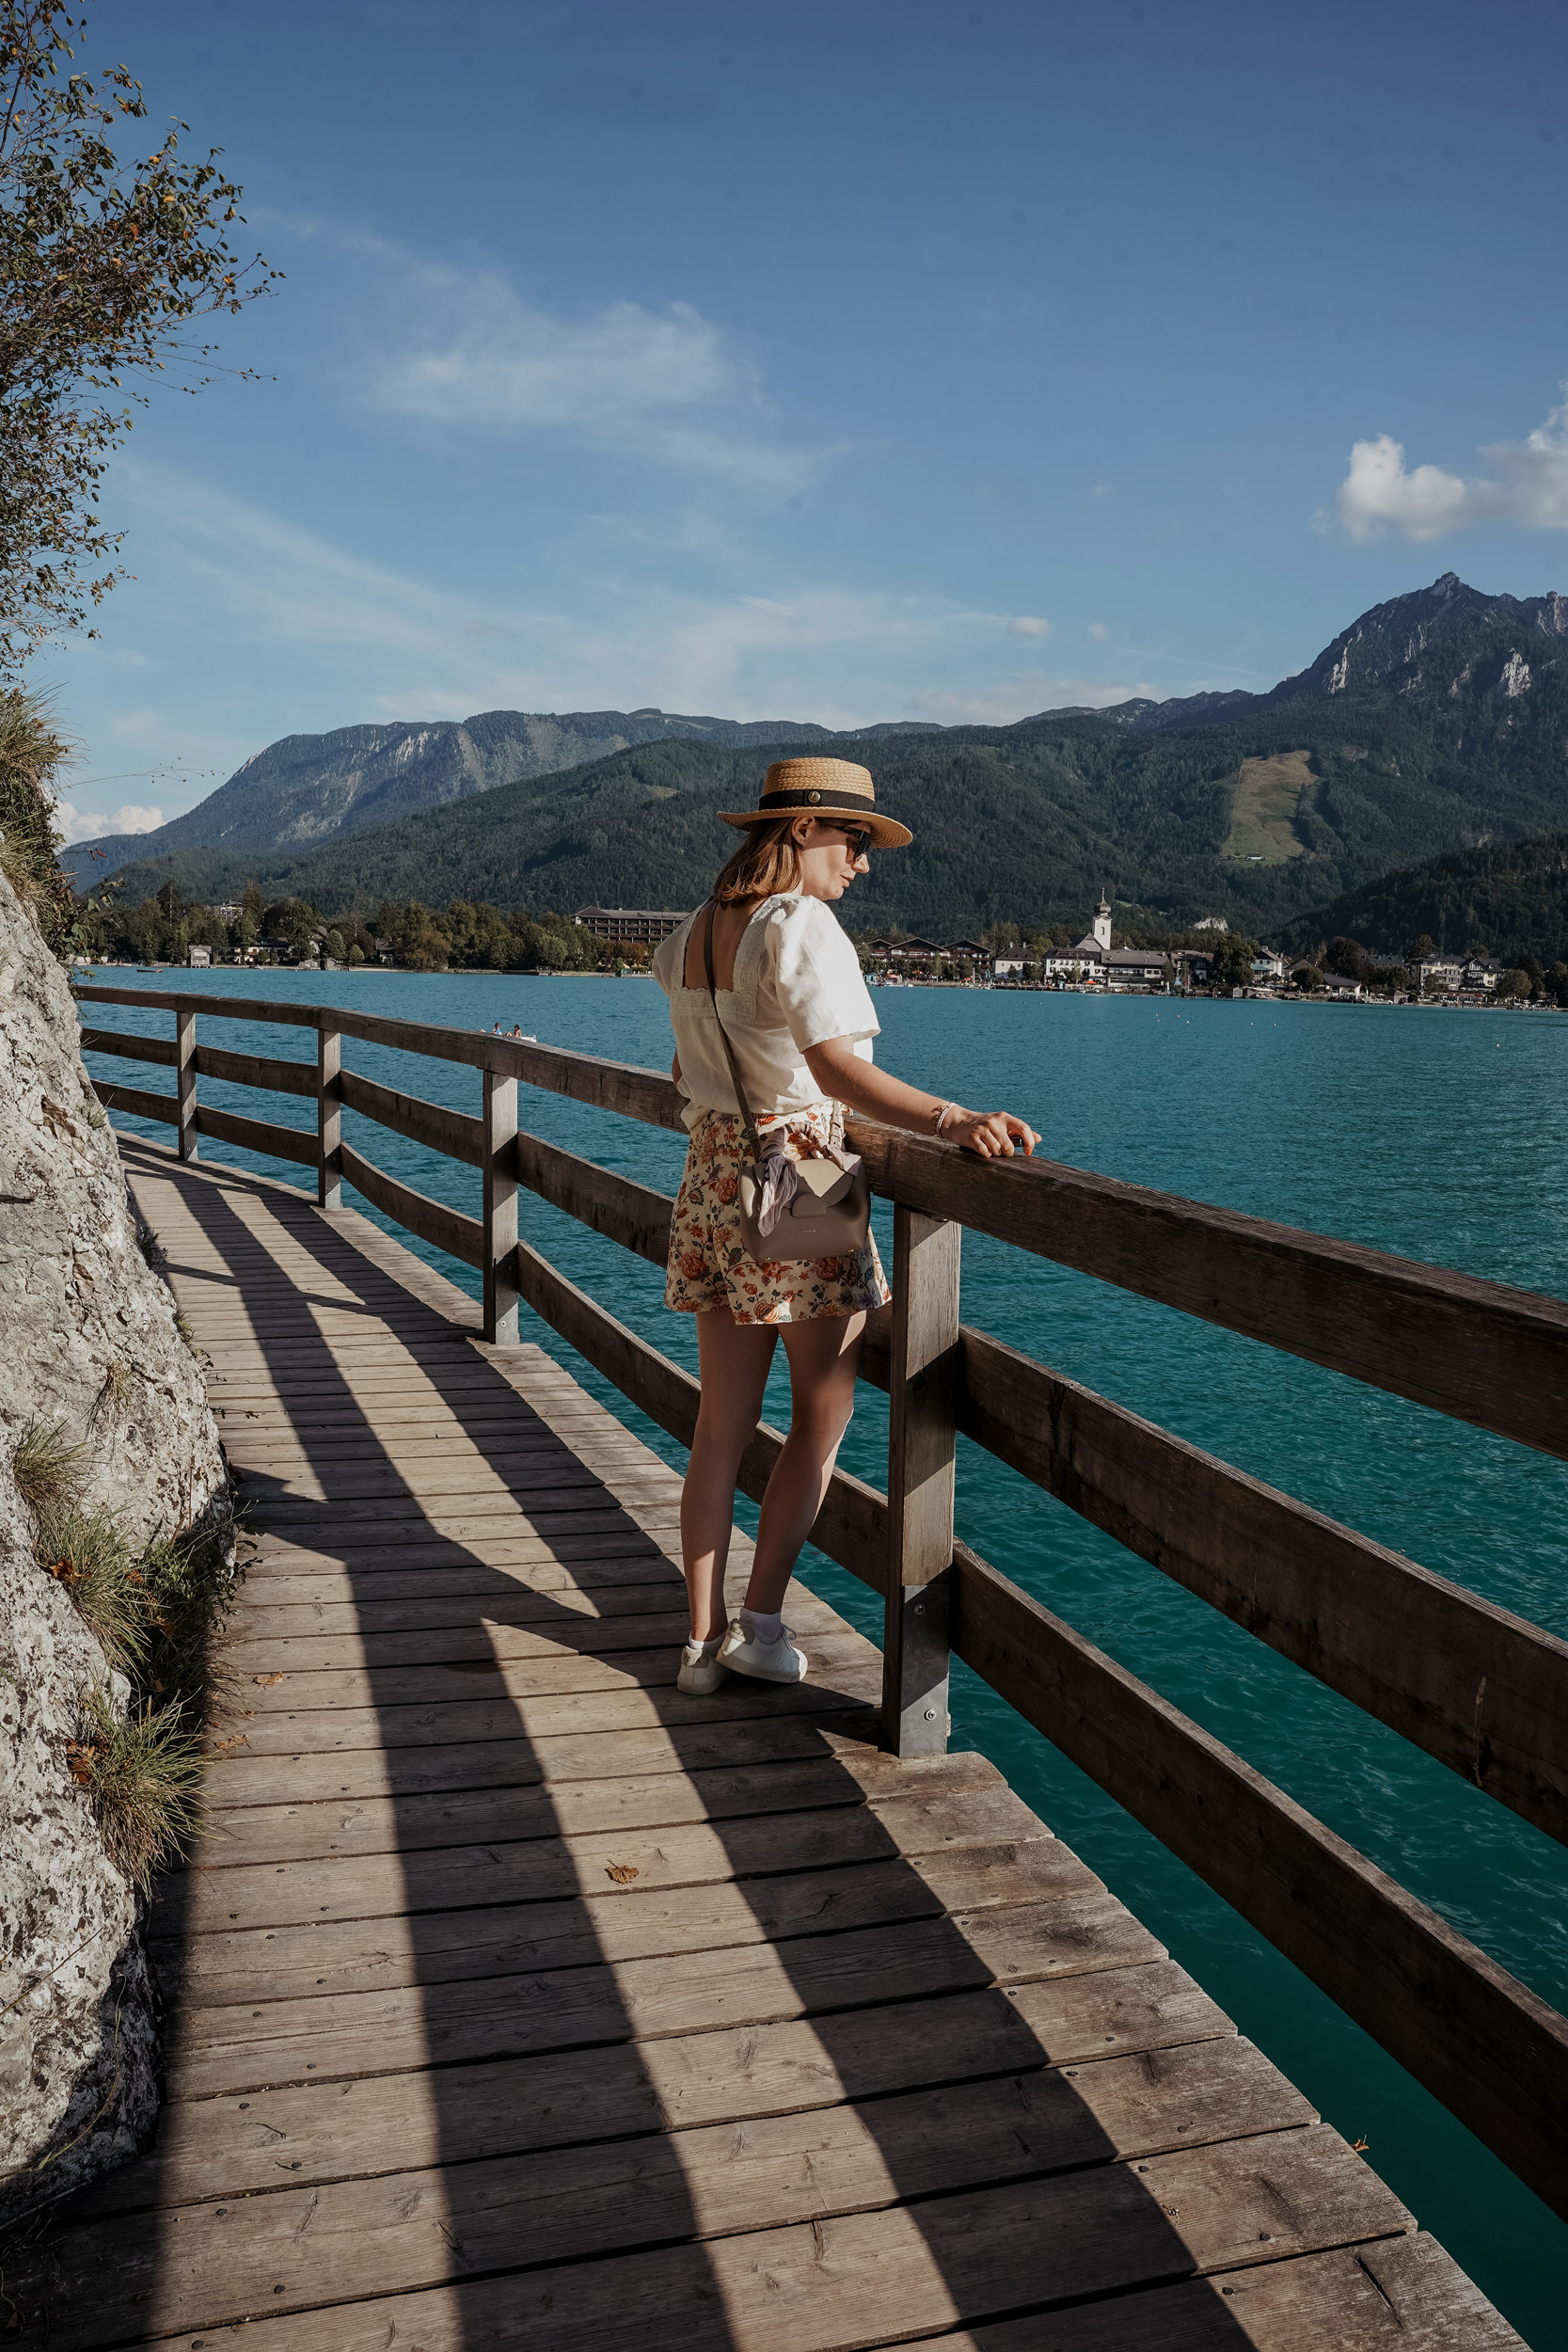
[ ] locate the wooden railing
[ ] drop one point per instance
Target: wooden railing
(1483, 1691)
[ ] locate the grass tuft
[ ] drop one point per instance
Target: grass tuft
(189, 1589)
(47, 1468)
(88, 1554)
(143, 1780)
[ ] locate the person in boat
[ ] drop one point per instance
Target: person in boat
(763, 972)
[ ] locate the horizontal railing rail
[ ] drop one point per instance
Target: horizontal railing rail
(1483, 1691)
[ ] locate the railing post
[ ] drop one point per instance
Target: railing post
(329, 1118)
(500, 1209)
(920, 1483)
(185, 1081)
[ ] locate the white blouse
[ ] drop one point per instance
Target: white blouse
(797, 983)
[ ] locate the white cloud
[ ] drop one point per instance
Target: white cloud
(1099, 631)
(663, 385)
(85, 824)
(1527, 483)
(1029, 625)
(398, 646)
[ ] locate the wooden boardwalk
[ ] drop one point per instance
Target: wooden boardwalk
(516, 2000)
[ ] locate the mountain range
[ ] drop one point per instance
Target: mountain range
(304, 789)
(1435, 724)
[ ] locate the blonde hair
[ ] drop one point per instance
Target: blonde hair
(767, 860)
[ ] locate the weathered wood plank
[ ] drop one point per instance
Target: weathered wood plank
(456, 1132)
(651, 2185)
(250, 1835)
(1477, 1350)
(808, 2287)
(1395, 2294)
(341, 1951)
(337, 2035)
(296, 1144)
(392, 2123)
(138, 1102)
(460, 1237)
(541, 1859)
(1482, 1689)
(921, 1449)
(1494, 2052)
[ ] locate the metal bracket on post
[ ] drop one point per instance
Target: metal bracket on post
(184, 1072)
(921, 1446)
(329, 1119)
(500, 1209)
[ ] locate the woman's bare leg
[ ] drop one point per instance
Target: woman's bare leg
(822, 1355)
(733, 1359)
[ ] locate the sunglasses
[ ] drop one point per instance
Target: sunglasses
(857, 839)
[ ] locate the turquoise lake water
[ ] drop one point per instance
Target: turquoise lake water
(1440, 1134)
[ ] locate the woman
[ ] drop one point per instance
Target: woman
(789, 990)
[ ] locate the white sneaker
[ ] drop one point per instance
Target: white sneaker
(700, 1673)
(766, 1662)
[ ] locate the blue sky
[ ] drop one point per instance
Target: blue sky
(843, 362)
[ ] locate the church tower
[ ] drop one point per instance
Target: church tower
(1102, 922)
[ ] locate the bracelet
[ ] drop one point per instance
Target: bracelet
(945, 1114)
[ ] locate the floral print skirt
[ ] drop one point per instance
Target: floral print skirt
(710, 1266)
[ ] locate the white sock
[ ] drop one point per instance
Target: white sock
(758, 1625)
(703, 1649)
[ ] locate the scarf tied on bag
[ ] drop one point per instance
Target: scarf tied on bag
(778, 1178)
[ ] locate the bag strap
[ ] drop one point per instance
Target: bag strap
(751, 1136)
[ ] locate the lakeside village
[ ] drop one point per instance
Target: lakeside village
(1211, 959)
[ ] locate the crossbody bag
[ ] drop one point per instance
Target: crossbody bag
(791, 1209)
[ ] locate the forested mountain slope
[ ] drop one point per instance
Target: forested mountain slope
(310, 788)
(1506, 898)
(1438, 721)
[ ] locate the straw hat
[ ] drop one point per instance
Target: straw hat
(823, 788)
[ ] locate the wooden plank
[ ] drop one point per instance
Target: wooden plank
(138, 1102)
(258, 1070)
(921, 1446)
(808, 2286)
(250, 1836)
(1491, 2050)
(131, 1047)
(461, 1237)
(499, 1132)
(456, 1133)
(337, 2036)
(623, 1210)
(329, 1118)
(257, 1135)
(185, 1081)
(1396, 2295)
(538, 1858)
(1477, 1687)
(392, 2123)
(520, 1678)
(293, 1780)
(588, 2200)
(1480, 1351)
(339, 1952)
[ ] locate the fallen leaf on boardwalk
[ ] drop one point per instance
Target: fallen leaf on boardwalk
(620, 1871)
(239, 1740)
(264, 1682)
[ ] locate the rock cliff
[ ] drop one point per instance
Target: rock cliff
(90, 1348)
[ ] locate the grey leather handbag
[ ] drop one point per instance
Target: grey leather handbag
(791, 1209)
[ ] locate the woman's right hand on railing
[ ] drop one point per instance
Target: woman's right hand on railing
(990, 1134)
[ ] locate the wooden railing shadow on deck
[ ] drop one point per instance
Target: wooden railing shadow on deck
(1482, 1689)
